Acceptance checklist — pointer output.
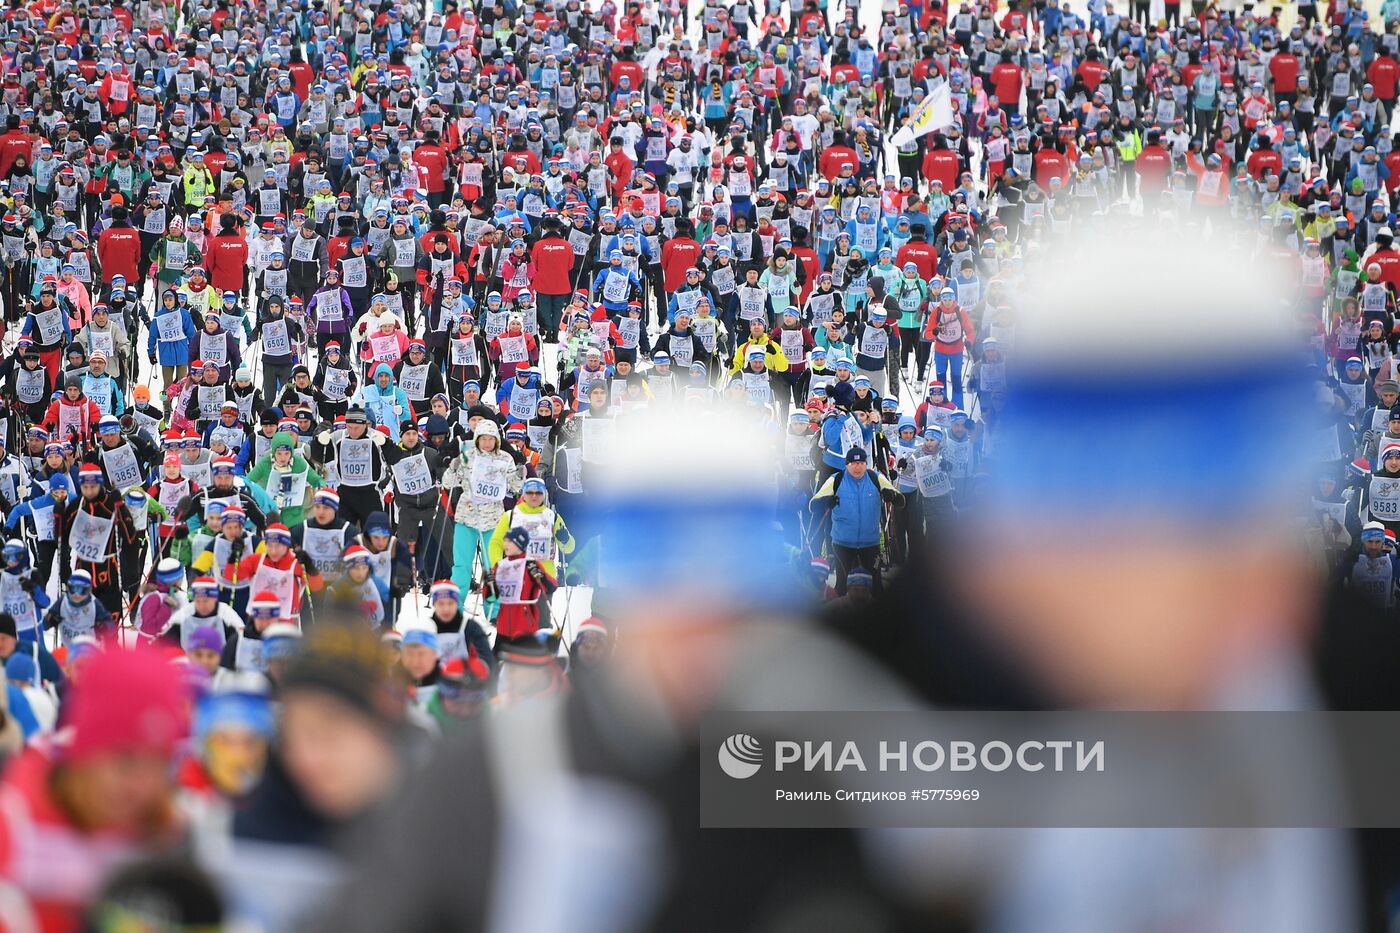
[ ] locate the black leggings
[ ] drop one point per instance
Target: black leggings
(849, 558)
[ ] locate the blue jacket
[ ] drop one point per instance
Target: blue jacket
(616, 307)
(39, 600)
(508, 389)
(833, 448)
(856, 509)
(171, 352)
(388, 406)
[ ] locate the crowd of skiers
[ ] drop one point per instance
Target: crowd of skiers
(319, 323)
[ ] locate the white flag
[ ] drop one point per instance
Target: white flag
(934, 113)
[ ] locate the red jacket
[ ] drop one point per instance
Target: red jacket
(63, 415)
(14, 143)
(1006, 81)
(247, 568)
(632, 70)
(1048, 164)
(922, 255)
(1093, 74)
(812, 265)
(33, 828)
(226, 259)
(1283, 68)
(1382, 73)
(677, 256)
(554, 266)
(959, 331)
(119, 251)
(835, 158)
(302, 75)
(426, 241)
(432, 163)
(522, 619)
(621, 165)
(1154, 165)
(1261, 159)
(943, 165)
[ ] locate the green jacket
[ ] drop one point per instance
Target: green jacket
(171, 275)
(291, 513)
(905, 290)
(126, 180)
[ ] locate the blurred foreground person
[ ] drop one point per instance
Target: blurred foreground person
(578, 810)
(100, 792)
(338, 756)
(156, 896)
(1134, 549)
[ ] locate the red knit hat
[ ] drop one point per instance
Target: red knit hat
(126, 701)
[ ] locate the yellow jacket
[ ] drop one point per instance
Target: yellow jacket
(774, 357)
(562, 538)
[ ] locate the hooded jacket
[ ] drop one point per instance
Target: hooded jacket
(469, 510)
(388, 406)
(292, 513)
(174, 350)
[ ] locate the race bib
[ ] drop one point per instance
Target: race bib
(488, 479)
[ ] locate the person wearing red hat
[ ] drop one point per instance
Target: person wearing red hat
(360, 589)
(102, 794)
(336, 380)
(274, 570)
(419, 378)
(170, 489)
(97, 530)
(591, 647)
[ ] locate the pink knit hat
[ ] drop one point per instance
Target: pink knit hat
(127, 701)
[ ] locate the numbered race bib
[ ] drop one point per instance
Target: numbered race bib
(122, 467)
(797, 448)
(412, 476)
(29, 385)
(510, 579)
(414, 381)
(514, 350)
(336, 383)
(275, 339)
(324, 546)
(791, 343)
(463, 352)
(541, 530)
(488, 479)
(49, 324)
(616, 286)
(874, 342)
(1385, 498)
(933, 480)
(89, 537)
(170, 328)
(385, 348)
(523, 403)
(599, 435)
(356, 460)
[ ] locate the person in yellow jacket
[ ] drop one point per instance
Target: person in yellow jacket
(549, 536)
(197, 180)
(774, 357)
